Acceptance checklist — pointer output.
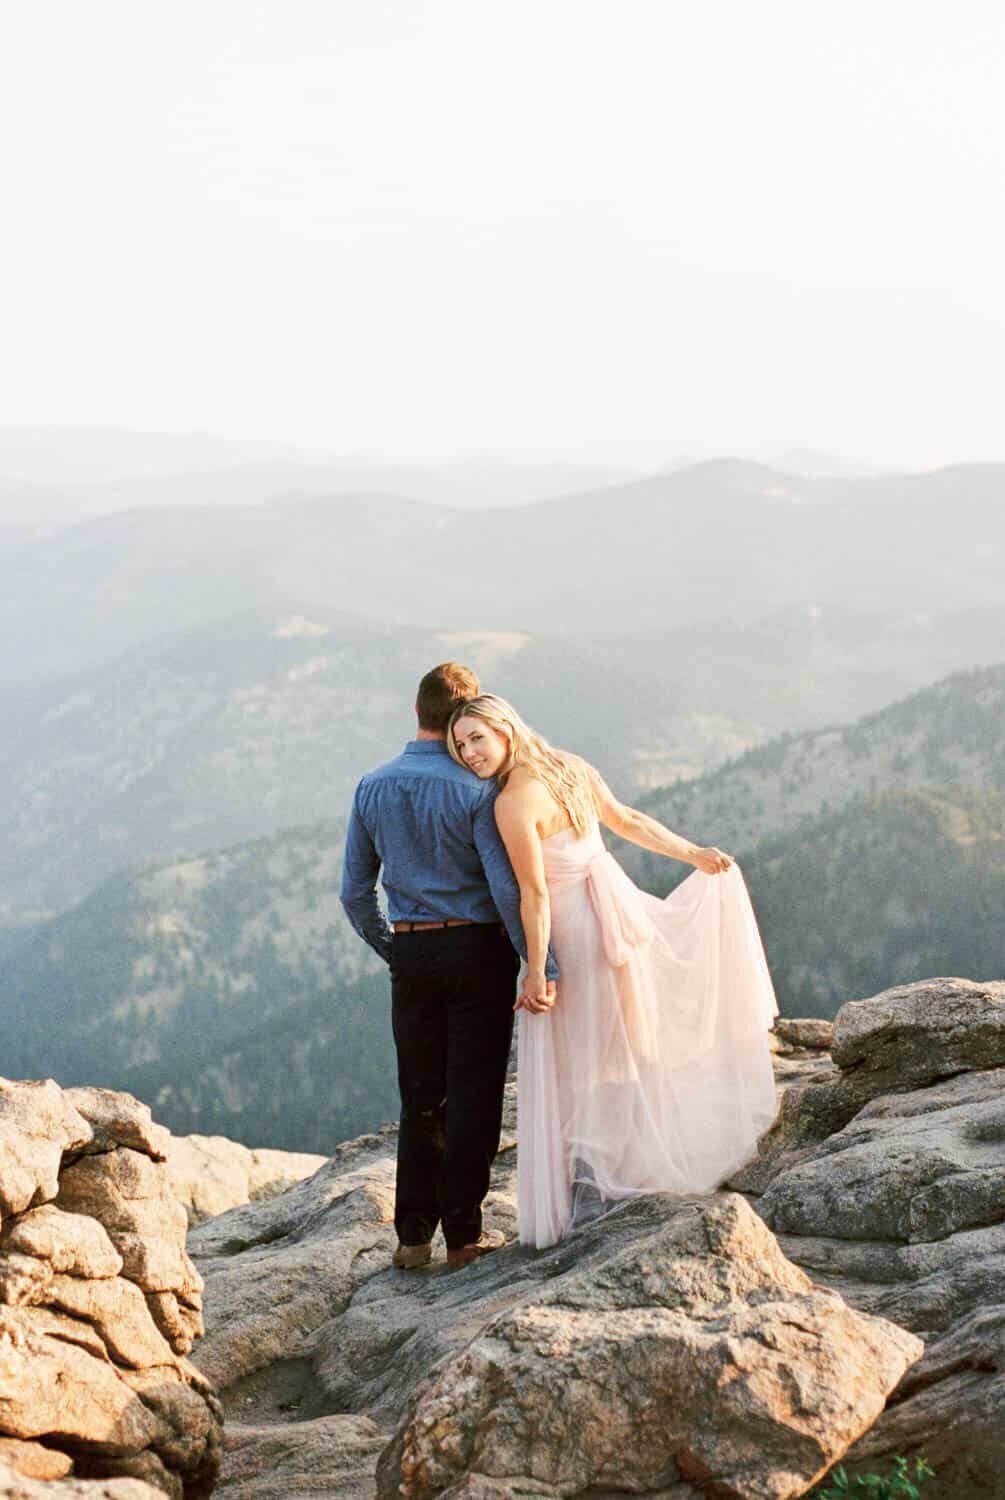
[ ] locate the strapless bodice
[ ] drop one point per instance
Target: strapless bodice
(565, 852)
(572, 862)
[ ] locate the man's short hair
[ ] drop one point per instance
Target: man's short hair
(440, 691)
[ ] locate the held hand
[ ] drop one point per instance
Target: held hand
(537, 994)
(713, 861)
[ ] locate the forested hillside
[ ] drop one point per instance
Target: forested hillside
(228, 990)
(891, 889)
(951, 734)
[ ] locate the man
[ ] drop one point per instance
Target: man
(452, 899)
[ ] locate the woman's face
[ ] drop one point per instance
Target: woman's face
(481, 747)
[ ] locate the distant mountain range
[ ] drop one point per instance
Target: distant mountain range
(82, 467)
(719, 540)
(267, 720)
(463, 486)
(230, 993)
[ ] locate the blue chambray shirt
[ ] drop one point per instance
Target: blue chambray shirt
(430, 824)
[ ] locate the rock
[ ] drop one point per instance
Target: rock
(210, 1174)
(807, 1035)
(130, 1195)
(179, 1320)
(334, 1456)
(184, 1403)
(17, 1486)
(699, 1310)
(924, 1287)
(812, 1105)
(909, 1167)
(120, 1120)
(675, 1346)
(72, 1243)
(305, 1317)
(481, 1487)
(23, 1279)
(905, 1038)
(53, 1388)
(277, 1271)
(33, 1461)
(272, 1172)
(915, 1034)
(886, 1181)
(87, 1376)
(37, 1124)
(951, 1408)
(118, 1311)
(794, 1066)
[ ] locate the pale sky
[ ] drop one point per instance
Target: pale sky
(535, 226)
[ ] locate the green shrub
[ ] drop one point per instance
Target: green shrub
(901, 1484)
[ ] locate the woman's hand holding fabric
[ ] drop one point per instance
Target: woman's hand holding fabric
(712, 861)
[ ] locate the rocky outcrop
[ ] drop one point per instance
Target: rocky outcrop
(210, 1174)
(892, 1043)
(669, 1352)
(730, 1346)
(99, 1303)
(17, 1484)
(801, 1051)
(884, 1177)
(333, 1455)
(668, 1345)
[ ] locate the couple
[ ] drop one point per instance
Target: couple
(643, 1056)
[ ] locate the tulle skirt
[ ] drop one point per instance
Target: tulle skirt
(652, 1073)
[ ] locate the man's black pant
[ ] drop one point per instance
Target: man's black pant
(452, 994)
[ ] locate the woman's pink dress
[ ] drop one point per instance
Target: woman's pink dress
(652, 1073)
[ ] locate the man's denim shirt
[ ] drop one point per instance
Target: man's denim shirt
(431, 825)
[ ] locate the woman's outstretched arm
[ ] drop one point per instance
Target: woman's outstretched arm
(638, 828)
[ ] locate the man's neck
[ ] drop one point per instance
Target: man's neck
(429, 734)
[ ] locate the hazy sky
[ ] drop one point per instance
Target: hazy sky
(532, 226)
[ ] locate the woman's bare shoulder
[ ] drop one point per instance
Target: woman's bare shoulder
(520, 786)
(519, 780)
(524, 793)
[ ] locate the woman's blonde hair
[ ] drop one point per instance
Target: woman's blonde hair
(566, 777)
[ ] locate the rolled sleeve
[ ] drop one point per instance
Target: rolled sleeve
(360, 869)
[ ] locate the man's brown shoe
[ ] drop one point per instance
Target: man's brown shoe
(487, 1241)
(410, 1257)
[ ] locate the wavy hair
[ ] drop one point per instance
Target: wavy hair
(567, 778)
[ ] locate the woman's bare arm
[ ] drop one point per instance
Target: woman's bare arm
(517, 813)
(638, 828)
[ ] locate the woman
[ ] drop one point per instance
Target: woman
(649, 1069)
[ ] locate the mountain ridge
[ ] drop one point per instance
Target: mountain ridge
(557, 566)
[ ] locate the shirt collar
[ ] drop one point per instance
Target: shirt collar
(426, 747)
